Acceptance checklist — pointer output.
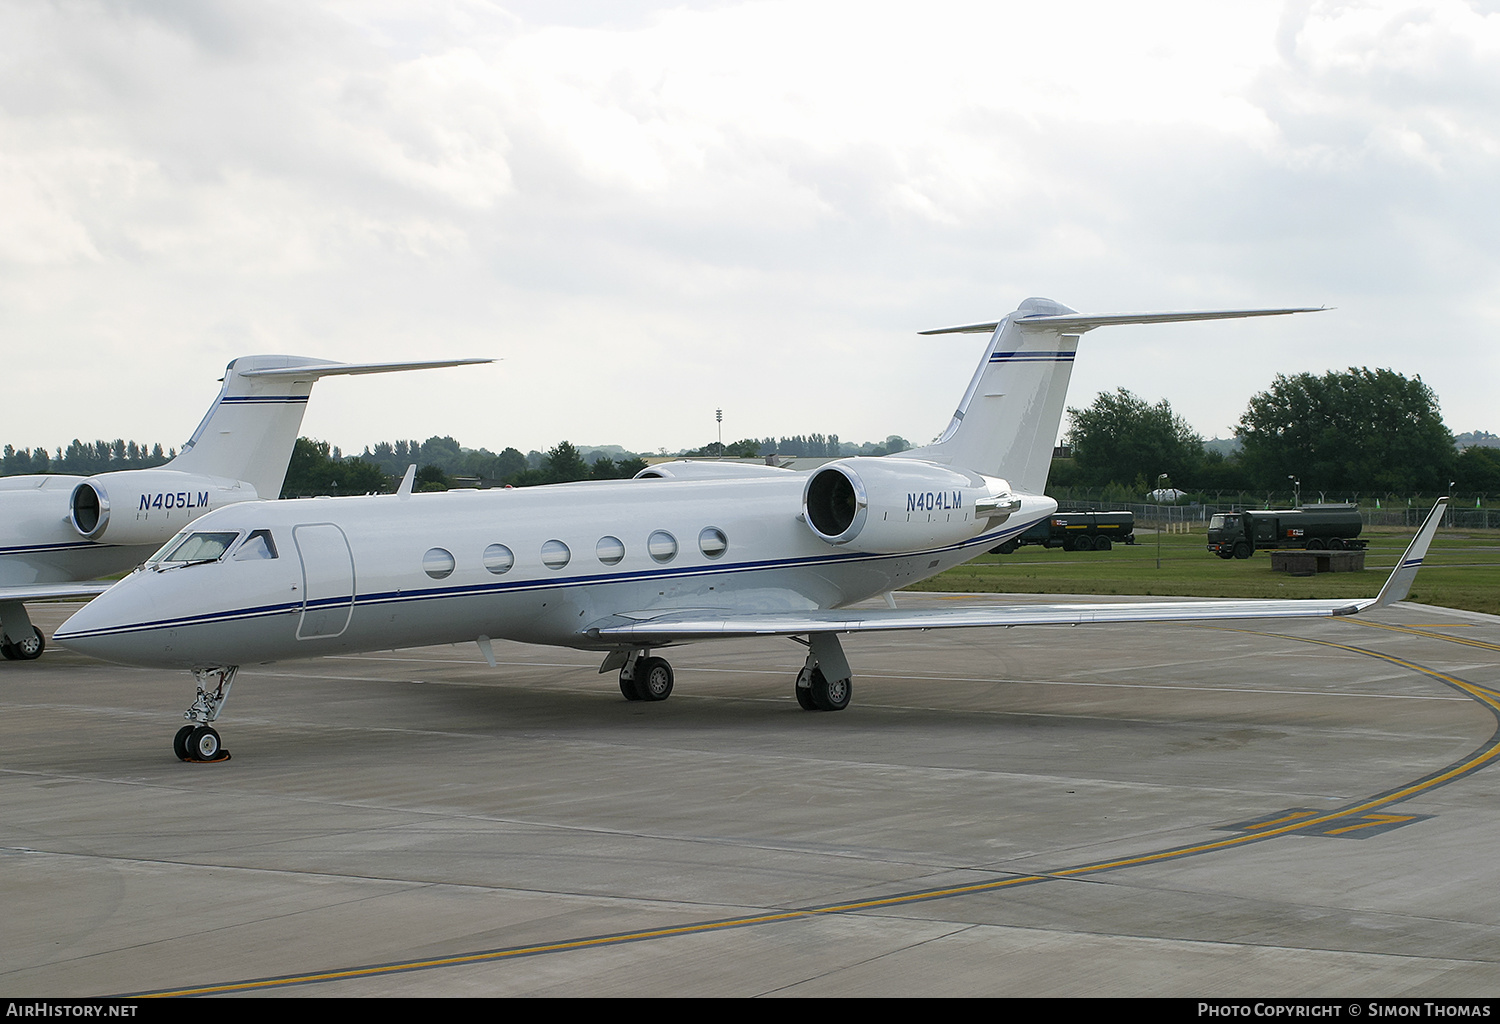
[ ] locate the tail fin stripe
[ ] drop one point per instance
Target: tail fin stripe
(1033, 357)
(265, 400)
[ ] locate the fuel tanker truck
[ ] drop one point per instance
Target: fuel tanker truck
(1312, 527)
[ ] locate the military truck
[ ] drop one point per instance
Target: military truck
(1076, 531)
(1312, 527)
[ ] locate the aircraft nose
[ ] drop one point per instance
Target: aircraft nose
(108, 627)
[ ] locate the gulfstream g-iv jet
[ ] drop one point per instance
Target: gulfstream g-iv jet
(683, 552)
(57, 530)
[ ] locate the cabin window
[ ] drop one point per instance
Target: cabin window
(611, 550)
(438, 563)
(555, 554)
(257, 546)
(498, 559)
(662, 546)
(712, 542)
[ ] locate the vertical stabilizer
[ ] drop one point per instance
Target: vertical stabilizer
(1007, 423)
(251, 427)
(1006, 426)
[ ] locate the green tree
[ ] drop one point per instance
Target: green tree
(1477, 470)
(1365, 430)
(313, 471)
(564, 464)
(1122, 437)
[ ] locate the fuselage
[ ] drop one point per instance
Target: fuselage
(538, 565)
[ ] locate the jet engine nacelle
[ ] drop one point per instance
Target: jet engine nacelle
(147, 506)
(886, 506)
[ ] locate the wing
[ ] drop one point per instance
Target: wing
(52, 591)
(656, 629)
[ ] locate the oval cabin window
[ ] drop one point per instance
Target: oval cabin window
(555, 554)
(438, 563)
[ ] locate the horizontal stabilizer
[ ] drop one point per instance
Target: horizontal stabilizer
(1071, 323)
(313, 370)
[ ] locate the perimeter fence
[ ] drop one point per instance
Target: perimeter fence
(1412, 516)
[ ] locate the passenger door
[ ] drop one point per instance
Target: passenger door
(327, 580)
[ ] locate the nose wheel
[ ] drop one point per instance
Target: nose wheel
(198, 741)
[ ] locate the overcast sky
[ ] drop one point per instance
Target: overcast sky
(648, 211)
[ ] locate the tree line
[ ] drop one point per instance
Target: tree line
(83, 459)
(1362, 431)
(317, 468)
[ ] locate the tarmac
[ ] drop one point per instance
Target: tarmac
(1288, 808)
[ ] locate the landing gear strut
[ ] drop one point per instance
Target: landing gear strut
(824, 683)
(645, 678)
(199, 741)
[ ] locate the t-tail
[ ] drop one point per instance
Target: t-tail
(1007, 423)
(251, 427)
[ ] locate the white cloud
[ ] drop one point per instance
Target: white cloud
(651, 211)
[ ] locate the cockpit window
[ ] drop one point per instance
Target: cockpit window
(194, 547)
(258, 545)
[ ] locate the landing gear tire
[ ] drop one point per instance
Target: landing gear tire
(653, 679)
(804, 698)
(829, 696)
(203, 745)
(627, 688)
(29, 649)
(180, 741)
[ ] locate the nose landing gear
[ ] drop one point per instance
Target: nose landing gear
(199, 742)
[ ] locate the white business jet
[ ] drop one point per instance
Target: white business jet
(683, 552)
(58, 530)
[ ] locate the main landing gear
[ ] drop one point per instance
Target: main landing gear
(19, 639)
(199, 741)
(645, 678)
(26, 649)
(822, 685)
